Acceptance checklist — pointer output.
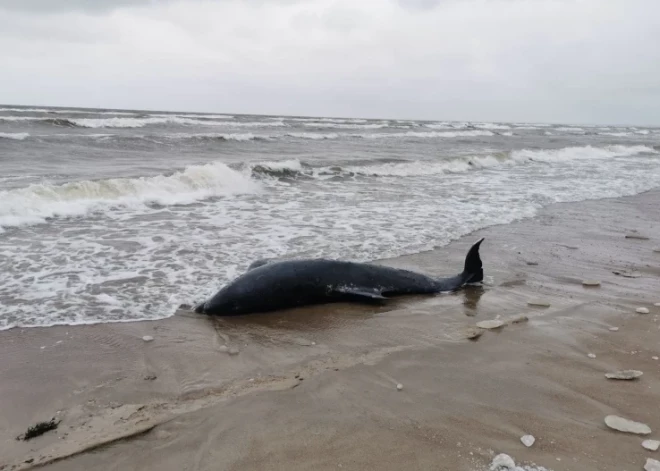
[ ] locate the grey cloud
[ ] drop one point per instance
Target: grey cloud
(56, 6)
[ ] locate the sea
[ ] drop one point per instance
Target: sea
(123, 215)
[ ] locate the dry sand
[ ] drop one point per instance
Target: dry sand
(317, 388)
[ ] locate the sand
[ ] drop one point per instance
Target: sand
(316, 388)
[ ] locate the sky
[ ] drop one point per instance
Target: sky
(563, 61)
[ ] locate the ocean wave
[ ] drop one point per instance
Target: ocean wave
(416, 168)
(278, 168)
(440, 126)
(573, 129)
(45, 110)
(193, 116)
(116, 122)
(16, 136)
(325, 120)
(616, 134)
(426, 135)
(38, 202)
(241, 137)
(493, 126)
(314, 135)
(348, 125)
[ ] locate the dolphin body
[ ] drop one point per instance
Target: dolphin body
(269, 286)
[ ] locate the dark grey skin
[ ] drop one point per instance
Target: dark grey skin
(270, 285)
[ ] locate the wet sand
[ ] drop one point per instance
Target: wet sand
(317, 388)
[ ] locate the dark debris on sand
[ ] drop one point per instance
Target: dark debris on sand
(39, 429)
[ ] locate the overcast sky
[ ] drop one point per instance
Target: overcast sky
(581, 61)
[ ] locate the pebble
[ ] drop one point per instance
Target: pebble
(148, 338)
(651, 445)
(656, 304)
(591, 282)
(652, 465)
(503, 462)
(532, 264)
(399, 386)
(527, 440)
(654, 358)
(538, 302)
(642, 310)
(591, 355)
(223, 348)
(625, 425)
(490, 324)
(234, 351)
(624, 374)
(150, 377)
(474, 333)
(614, 329)
(656, 249)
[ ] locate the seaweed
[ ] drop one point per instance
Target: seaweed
(39, 429)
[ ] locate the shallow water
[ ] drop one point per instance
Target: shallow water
(122, 215)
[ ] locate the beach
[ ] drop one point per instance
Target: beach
(316, 388)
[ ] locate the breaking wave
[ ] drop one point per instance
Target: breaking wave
(16, 136)
(38, 202)
(120, 122)
(416, 168)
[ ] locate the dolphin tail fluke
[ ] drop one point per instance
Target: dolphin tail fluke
(473, 270)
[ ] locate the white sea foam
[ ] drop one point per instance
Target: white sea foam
(189, 115)
(491, 126)
(325, 120)
(38, 202)
(578, 153)
(315, 135)
(122, 122)
(130, 260)
(439, 126)
(570, 129)
(426, 135)
(17, 136)
(347, 125)
(616, 134)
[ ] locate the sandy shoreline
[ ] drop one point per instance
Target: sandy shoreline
(316, 388)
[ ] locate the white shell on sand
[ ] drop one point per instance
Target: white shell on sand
(503, 462)
(399, 386)
(642, 310)
(223, 348)
(614, 329)
(656, 304)
(591, 282)
(491, 324)
(538, 302)
(651, 445)
(652, 465)
(656, 249)
(624, 374)
(654, 358)
(625, 425)
(148, 338)
(527, 440)
(591, 355)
